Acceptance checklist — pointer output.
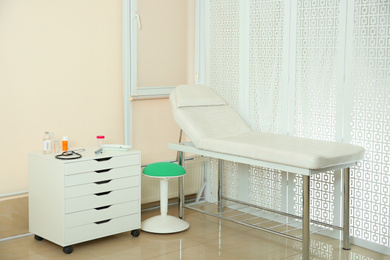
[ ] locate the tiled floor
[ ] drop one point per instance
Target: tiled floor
(207, 238)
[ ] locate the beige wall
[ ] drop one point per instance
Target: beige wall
(61, 71)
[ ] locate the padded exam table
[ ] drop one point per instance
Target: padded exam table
(217, 131)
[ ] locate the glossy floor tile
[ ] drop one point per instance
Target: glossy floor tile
(207, 238)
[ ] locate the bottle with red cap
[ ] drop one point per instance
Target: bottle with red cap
(100, 140)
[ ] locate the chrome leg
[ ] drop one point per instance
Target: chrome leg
(181, 188)
(306, 218)
(346, 236)
(220, 185)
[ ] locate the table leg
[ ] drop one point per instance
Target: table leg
(220, 185)
(306, 218)
(346, 236)
(181, 197)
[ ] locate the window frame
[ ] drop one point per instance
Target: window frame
(130, 26)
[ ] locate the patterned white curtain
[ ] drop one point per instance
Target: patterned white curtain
(369, 124)
(316, 69)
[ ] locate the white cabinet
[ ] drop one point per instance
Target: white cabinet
(72, 201)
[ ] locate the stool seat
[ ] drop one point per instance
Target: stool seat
(164, 223)
(164, 170)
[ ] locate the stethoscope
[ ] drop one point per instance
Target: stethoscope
(70, 154)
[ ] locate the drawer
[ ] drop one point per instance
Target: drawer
(96, 230)
(101, 199)
(101, 175)
(102, 213)
(101, 186)
(101, 163)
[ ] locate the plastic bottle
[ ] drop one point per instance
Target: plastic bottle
(46, 143)
(57, 146)
(65, 142)
(100, 140)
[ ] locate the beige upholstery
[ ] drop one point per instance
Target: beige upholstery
(212, 125)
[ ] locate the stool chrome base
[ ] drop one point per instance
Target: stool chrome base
(164, 224)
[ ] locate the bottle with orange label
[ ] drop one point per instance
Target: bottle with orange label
(65, 142)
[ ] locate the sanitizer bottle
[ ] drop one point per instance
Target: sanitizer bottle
(46, 143)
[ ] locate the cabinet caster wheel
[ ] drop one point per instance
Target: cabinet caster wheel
(135, 233)
(68, 250)
(38, 238)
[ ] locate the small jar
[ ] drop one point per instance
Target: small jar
(100, 140)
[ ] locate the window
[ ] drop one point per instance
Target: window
(158, 50)
(156, 46)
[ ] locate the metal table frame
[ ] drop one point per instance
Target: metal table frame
(306, 173)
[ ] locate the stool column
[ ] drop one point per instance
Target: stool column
(164, 196)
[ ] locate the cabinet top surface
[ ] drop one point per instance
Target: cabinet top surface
(88, 154)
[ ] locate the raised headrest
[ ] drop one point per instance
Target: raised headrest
(194, 96)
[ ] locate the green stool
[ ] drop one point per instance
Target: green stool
(164, 223)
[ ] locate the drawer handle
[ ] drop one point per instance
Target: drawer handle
(103, 159)
(101, 171)
(103, 193)
(102, 222)
(102, 182)
(104, 207)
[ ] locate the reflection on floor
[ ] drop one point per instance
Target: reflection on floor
(207, 238)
